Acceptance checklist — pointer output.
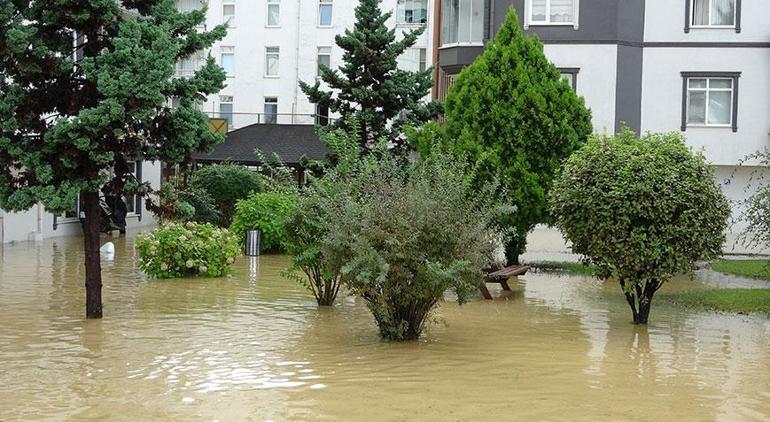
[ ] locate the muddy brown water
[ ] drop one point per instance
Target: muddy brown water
(255, 346)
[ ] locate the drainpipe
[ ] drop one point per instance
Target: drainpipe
(296, 64)
(436, 43)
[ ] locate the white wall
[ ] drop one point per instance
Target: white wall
(23, 226)
(664, 21)
(662, 98)
(298, 37)
(596, 79)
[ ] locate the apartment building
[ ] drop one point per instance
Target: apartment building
(701, 67)
(271, 45)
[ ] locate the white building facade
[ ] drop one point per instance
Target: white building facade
(271, 45)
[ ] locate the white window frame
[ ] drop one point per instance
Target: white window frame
(708, 91)
(272, 101)
(327, 52)
(230, 22)
(227, 99)
(711, 9)
(269, 53)
(401, 5)
(529, 22)
(227, 50)
(320, 4)
(273, 3)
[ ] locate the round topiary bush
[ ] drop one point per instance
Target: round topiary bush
(189, 249)
(266, 212)
(226, 184)
(641, 209)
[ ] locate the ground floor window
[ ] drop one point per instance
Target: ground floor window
(709, 99)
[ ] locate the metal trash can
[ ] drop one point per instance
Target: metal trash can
(252, 242)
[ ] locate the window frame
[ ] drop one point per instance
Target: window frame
(229, 50)
(686, 76)
(272, 101)
(457, 42)
(274, 3)
(573, 71)
(403, 8)
(318, 58)
(231, 101)
(689, 17)
(277, 54)
(231, 22)
(529, 22)
(329, 3)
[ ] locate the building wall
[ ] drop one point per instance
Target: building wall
(665, 22)
(37, 223)
(298, 37)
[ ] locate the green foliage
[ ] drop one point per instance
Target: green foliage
(396, 234)
(191, 204)
(189, 249)
(226, 184)
(756, 208)
(511, 112)
(369, 87)
(641, 209)
(202, 204)
(742, 301)
(266, 212)
(758, 268)
(66, 124)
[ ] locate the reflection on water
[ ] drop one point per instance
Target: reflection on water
(255, 346)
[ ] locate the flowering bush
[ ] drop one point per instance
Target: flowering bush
(190, 249)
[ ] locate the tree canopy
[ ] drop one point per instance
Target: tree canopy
(510, 112)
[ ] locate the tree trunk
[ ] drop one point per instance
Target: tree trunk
(93, 263)
(639, 298)
(514, 247)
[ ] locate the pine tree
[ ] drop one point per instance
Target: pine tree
(84, 88)
(511, 112)
(369, 86)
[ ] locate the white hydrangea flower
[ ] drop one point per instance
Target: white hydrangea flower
(189, 263)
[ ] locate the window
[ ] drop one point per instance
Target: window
(187, 66)
(324, 12)
(273, 12)
(271, 110)
(462, 22)
(321, 115)
(552, 12)
(226, 109)
(412, 11)
(324, 58)
(710, 99)
(228, 13)
(133, 202)
(569, 74)
(413, 60)
(185, 6)
(272, 57)
(227, 60)
(717, 13)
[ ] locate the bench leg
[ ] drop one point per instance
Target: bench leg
(505, 285)
(485, 291)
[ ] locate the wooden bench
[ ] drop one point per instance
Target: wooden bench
(501, 276)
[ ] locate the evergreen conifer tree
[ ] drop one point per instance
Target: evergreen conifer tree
(369, 85)
(511, 112)
(85, 87)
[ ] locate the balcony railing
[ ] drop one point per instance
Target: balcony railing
(240, 119)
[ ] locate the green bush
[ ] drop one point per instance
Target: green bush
(641, 210)
(226, 184)
(189, 249)
(191, 204)
(204, 209)
(266, 212)
(396, 234)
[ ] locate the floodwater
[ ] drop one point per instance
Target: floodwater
(256, 347)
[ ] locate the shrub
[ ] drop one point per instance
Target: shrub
(641, 210)
(226, 183)
(396, 234)
(266, 212)
(204, 209)
(191, 204)
(189, 249)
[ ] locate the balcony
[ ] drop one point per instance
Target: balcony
(236, 120)
(462, 33)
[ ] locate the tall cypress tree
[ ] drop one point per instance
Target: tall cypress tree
(511, 112)
(368, 85)
(84, 88)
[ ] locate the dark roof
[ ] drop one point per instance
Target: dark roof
(290, 142)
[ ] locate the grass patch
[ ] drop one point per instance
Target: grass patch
(564, 266)
(742, 301)
(757, 268)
